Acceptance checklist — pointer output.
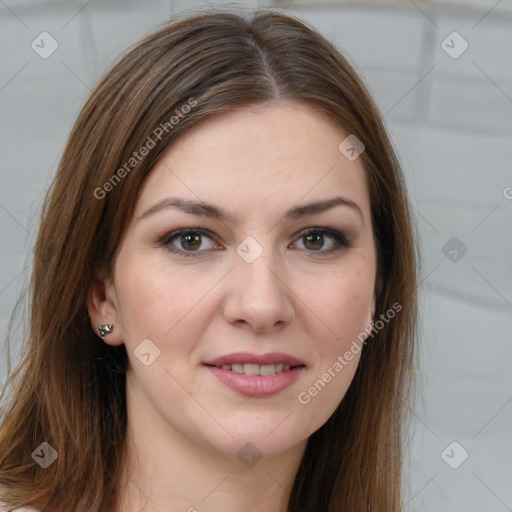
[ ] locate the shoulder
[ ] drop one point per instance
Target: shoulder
(5, 508)
(24, 509)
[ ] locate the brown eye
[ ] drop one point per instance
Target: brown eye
(188, 242)
(314, 241)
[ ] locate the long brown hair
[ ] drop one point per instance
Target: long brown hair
(69, 388)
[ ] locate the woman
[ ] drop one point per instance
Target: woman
(223, 298)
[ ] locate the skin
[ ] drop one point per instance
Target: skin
(185, 426)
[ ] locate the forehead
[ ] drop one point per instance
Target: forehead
(259, 157)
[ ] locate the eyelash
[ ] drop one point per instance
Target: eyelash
(341, 241)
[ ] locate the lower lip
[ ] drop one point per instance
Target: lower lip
(256, 385)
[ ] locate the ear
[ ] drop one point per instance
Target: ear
(101, 305)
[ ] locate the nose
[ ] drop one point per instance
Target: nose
(258, 296)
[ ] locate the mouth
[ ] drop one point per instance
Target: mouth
(251, 369)
(256, 375)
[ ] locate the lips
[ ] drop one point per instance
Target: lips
(256, 369)
(256, 375)
(243, 358)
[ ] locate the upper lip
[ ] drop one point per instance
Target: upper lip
(260, 359)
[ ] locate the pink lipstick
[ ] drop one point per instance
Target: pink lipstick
(256, 375)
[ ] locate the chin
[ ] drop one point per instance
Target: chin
(258, 438)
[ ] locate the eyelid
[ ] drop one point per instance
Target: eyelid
(341, 240)
(168, 237)
(339, 236)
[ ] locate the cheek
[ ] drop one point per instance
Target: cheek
(155, 300)
(343, 307)
(342, 303)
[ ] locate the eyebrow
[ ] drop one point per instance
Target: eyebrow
(203, 209)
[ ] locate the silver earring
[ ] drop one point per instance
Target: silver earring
(105, 329)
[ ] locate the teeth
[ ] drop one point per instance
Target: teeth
(265, 370)
(238, 368)
(251, 369)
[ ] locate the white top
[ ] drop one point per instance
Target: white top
(5, 508)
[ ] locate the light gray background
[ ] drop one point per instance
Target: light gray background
(451, 122)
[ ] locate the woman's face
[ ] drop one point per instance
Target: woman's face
(249, 289)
